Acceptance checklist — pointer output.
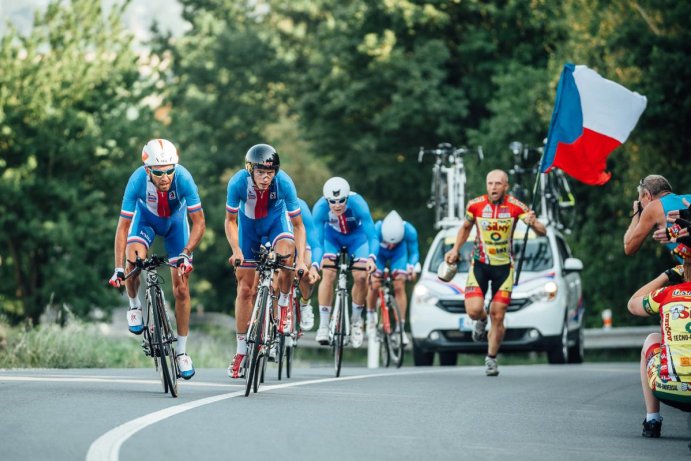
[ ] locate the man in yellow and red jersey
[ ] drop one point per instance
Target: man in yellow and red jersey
(666, 356)
(495, 215)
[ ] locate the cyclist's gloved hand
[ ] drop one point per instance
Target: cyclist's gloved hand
(184, 264)
(117, 278)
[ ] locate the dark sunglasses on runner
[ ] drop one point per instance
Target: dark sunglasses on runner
(159, 173)
(337, 201)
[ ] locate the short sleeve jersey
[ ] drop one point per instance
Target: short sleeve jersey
(495, 225)
(311, 231)
(673, 305)
(243, 196)
(141, 190)
(356, 218)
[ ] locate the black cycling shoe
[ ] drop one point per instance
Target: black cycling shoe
(652, 428)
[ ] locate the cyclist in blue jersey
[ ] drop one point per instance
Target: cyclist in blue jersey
(655, 201)
(313, 254)
(262, 206)
(399, 250)
(342, 218)
(159, 197)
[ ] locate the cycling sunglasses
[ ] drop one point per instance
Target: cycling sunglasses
(337, 201)
(159, 173)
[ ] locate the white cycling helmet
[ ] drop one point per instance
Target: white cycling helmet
(446, 271)
(336, 188)
(392, 228)
(159, 152)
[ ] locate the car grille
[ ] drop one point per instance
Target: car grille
(516, 334)
(457, 306)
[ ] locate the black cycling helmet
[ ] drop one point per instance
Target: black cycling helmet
(262, 155)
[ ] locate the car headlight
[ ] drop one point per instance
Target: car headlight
(423, 295)
(547, 292)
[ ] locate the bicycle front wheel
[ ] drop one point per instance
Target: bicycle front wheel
(254, 342)
(339, 333)
(164, 344)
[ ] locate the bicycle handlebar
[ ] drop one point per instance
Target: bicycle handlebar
(148, 264)
(446, 149)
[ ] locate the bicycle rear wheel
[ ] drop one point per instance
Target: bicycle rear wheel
(254, 342)
(395, 337)
(280, 353)
(164, 346)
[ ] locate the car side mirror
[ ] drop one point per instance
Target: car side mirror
(573, 265)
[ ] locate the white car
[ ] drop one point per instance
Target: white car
(545, 314)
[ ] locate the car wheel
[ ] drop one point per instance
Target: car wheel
(577, 351)
(448, 359)
(422, 358)
(559, 352)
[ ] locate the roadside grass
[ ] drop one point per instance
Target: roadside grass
(90, 345)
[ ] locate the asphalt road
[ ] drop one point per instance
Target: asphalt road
(537, 412)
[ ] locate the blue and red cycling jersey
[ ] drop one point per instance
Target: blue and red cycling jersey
(244, 197)
(401, 256)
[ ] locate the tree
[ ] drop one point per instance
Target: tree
(71, 117)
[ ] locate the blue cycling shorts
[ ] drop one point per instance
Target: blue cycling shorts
(254, 232)
(174, 229)
(356, 242)
(396, 259)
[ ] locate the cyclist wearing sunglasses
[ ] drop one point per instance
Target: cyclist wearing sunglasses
(262, 205)
(158, 199)
(342, 218)
(398, 248)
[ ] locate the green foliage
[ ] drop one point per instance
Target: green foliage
(71, 113)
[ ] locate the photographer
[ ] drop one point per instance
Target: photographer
(655, 201)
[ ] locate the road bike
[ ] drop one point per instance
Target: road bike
(389, 326)
(447, 193)
(159, 339)
(339, 324)
(262, 332)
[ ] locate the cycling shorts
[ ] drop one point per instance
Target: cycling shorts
(481, 274)
(676, 394)
(174, 229)
(252, 233)
(396, 259)
(356, 242)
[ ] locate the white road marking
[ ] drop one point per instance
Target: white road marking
(107, 446)
(89, 379)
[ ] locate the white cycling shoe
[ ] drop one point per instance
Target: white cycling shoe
(306, 317)
(323, 335)
(357, 336)
(185, 366)
(134, 321)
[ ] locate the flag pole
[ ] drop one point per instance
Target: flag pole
(527, 230)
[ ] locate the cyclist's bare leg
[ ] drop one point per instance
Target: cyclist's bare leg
(652, 404)
(497, 311)
(373, 293)
(359, 292)
(285, 247)
(133, 250)
(244, 298)
(181, 292)
(475, 307)
(400, 295)
(326, 287)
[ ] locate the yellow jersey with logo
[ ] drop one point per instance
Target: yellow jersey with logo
(673, 304)
(495, 224)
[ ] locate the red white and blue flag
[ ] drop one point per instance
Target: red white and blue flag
(592, 116)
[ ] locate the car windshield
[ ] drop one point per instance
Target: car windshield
(538, 254)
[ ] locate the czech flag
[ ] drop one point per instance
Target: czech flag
(592, 116)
